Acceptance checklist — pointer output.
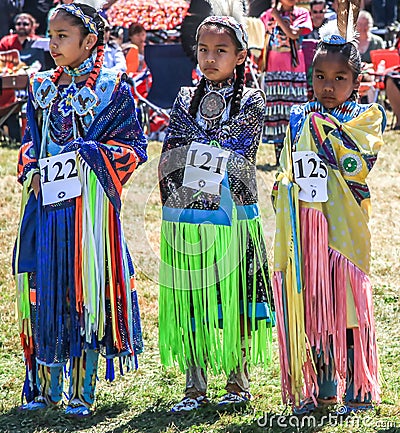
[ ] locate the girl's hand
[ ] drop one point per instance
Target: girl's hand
(35, 184)
(275, 13)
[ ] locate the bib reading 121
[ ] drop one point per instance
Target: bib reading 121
(311, 174)
(205, 167)
(59, 178)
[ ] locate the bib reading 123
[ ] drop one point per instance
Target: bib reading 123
(59, 178)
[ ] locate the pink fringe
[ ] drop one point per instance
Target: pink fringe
(325, 320)
(318, 307)
(338, 269)
(366, 364)
(310, 388)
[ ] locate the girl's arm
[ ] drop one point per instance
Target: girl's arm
(27, 167)
(290, 31)
(301, 26)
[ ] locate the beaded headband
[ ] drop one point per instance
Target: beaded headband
(230, 23)
(77, 11)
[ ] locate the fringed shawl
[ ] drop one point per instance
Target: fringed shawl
(96, 274)
(213, 256)
(322, 252)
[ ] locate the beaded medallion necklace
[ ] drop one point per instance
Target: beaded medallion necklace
(213, 103)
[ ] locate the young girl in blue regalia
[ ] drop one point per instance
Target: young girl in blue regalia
(322, 291)
(215, 306)
(75, 278)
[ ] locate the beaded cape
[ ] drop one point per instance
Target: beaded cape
(75, 278)
(213, 254)
(322, 254)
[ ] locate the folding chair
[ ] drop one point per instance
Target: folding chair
(391, 59)
(170, 69)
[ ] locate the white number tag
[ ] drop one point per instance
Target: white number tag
(59, 178)
(205, 167)
(311, 174)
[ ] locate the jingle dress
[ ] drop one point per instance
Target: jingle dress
(322, 291)
(213, 256)
(75, 278)
(285, 81)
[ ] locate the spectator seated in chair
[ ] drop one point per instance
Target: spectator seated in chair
(367, 42)
(392, 86)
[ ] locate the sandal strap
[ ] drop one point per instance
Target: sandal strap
(235, 397)
(188, 403)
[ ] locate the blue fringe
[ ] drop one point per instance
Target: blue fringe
(29, 389)
(110, 372)
(56, 341)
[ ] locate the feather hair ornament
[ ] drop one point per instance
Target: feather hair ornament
(343, 29)
(328, 29)
(347, 14)
(232, 8)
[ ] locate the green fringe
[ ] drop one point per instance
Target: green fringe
(193, 257)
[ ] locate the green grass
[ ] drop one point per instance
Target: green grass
(139, 401)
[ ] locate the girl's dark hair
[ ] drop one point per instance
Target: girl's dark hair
(239, 77)
(77, 22)
(350, 55)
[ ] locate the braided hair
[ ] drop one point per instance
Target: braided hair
(77, 22)
(350, 55)
(239, 77)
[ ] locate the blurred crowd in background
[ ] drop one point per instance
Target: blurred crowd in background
(131, 24)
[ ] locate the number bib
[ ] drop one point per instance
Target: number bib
(59, 178)
(311, 174)
(205, 167)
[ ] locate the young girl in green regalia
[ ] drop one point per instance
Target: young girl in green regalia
(215, 305)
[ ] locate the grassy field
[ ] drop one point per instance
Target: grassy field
(139, 402)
